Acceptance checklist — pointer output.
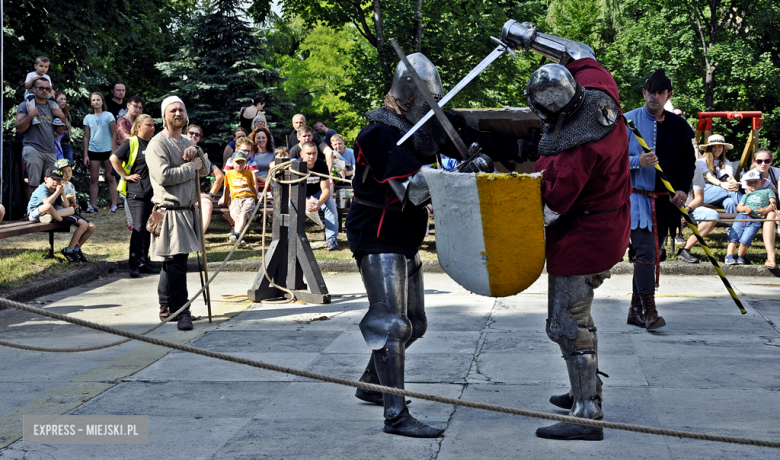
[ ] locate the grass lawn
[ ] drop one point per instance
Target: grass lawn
(718, 241)
(23, 258)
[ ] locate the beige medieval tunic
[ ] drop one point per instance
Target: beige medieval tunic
(174, 185)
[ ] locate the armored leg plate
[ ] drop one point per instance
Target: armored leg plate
(380, 324)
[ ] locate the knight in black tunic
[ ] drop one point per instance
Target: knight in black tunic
(385, 228)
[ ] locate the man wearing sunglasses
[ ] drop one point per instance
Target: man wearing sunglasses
(39, 152)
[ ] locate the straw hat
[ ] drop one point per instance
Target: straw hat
(716, 139)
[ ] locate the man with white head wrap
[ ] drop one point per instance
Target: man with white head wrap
(173, 161)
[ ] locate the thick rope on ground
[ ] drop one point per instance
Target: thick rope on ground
(370, 387)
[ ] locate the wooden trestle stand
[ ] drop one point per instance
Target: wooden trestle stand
(289, 257)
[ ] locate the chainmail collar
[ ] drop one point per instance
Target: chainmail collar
(583, 126)
(421, 143)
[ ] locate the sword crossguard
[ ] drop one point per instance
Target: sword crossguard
(506, 47)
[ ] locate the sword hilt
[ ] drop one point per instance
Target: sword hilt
(506, 47)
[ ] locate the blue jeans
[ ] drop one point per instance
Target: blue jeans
(743, 232)
(716, 196)
(331, 216)
(67, 152)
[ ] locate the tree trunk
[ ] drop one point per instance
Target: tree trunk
(709, 86)
(417, 44)
(380, 38)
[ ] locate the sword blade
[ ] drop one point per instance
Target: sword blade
(454, 91)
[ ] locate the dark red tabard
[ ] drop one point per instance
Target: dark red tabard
(592, 177)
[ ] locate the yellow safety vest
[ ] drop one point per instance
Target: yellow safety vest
(128, 165)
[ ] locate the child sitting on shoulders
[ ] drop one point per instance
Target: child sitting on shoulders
(241, 185)
(41, 67)
(756, 204)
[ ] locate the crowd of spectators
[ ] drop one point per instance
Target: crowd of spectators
(116, 133)
(753, 199)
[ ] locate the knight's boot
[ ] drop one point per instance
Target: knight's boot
(652, 319)
(635, 315)
(566, 401)
(398, 420)
(583, 377)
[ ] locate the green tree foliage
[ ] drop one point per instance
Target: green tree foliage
(455, 35)
(319, 73)
(218, 71)
(90, 44)
(720, 55)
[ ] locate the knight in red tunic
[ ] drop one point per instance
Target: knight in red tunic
(586, 188)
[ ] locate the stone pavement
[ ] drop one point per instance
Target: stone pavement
(710, 370)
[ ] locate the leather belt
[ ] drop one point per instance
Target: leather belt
(590, 213)
(376, 205)
(654, 196)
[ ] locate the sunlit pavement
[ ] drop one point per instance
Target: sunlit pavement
(710, 369)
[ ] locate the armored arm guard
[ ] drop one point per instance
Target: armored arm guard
(550, 217)
(525, 36)
(411, 190)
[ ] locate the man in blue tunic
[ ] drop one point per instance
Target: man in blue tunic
(653, 208)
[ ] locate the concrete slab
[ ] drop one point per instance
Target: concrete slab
(178, 398)
(193, 368)
(711, 369)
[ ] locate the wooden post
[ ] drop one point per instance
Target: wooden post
(289, 259)
(206, 292)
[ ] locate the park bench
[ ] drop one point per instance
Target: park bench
(24, 227)
(225, 210)
(269, 210)
(722, 214)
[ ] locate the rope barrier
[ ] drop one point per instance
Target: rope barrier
(379, 388)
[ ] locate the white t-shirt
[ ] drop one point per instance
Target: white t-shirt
(68, 188)
(32, 76)
(727, 168)
(697, 184)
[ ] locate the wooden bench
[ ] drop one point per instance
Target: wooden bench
(722, 214)
(225, 210)
(24, 227)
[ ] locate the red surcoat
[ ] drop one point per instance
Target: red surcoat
(594, 177)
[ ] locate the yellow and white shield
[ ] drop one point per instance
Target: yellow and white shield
(489, 229)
